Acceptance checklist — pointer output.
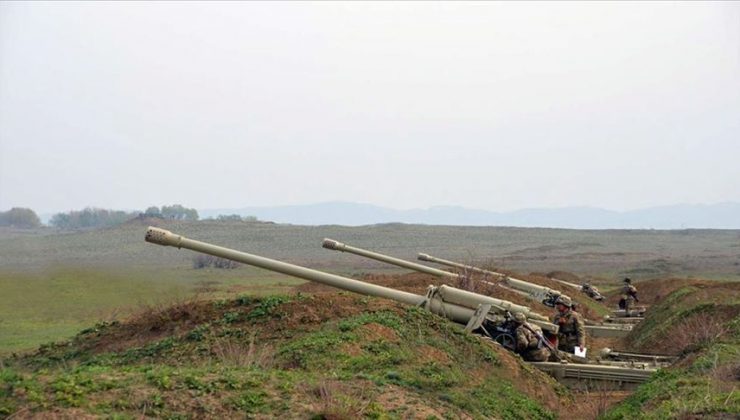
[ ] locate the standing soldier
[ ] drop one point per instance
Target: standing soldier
(529, 340)
(572, 330)
(629, 295)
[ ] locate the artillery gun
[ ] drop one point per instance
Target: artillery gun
(592, 292)
(540, 293)
(655, 359)
(585, 288)
(478, 313)
(545, 295)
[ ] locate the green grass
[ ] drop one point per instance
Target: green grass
(311, 372)
(54, 304)
(687, 392)
(152, 389)
(706, 384)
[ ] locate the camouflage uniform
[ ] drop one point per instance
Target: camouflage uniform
(528, 345)
(629, 296)
(572, 330)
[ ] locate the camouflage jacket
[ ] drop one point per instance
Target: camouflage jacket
(529, 346)
(572, 329)
(526, 339)
(629, 291)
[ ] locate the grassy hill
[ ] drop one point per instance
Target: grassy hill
(333, 356)
(699, 321)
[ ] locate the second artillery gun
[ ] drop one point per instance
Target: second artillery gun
(586, 288)
(545, 295)
(539, 293)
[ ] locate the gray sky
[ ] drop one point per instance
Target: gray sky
(495, 106)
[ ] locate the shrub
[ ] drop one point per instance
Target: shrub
(209, 261)
(229, 218)
(20, 217)
(178, 212)
(153, 211)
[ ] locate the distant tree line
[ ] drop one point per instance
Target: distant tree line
(174, 212)
(90, 217)
(235, 218)
(93, 217)
(20, 217)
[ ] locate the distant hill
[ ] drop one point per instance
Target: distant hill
(682, 216)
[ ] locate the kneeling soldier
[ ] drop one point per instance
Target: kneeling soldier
(528, 344)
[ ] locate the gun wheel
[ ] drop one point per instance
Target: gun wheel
(506, 340)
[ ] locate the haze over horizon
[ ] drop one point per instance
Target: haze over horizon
(490, 106)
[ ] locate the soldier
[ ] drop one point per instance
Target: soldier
(629, 295)
(572, 330)
(529, 340)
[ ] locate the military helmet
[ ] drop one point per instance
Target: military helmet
(564, 300)
(520, 317)
(627, 280)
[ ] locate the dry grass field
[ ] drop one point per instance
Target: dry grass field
(641, 253)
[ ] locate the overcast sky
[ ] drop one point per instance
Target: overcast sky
(495, 106)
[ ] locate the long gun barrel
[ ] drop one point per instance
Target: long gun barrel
(543, 294)
(438, 300)
(450, 294)
(464, 267)
(342, 247)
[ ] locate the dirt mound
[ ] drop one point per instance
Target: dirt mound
(149, 325)
(699, 321)
(653, 291)
(155, 323)
(330, 354)
(685, 314)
